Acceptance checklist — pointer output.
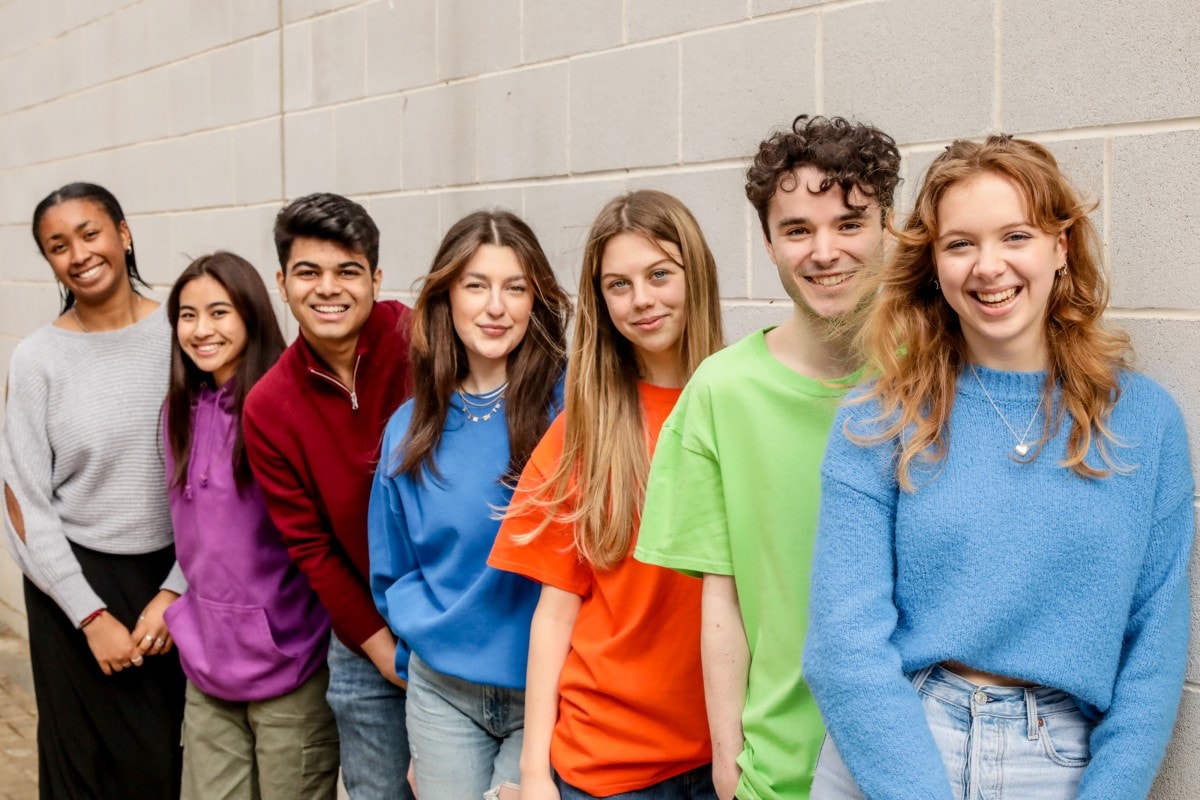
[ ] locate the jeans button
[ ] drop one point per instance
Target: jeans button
(981, 698)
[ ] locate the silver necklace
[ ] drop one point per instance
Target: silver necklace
(1021, 448)
(490, 400)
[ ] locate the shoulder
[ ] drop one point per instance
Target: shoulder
(730, 366)
(549, 450)
(274, 388)
(397, 426)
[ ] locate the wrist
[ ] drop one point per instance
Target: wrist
(92, 617)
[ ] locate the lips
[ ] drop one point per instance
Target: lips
(829, 280)
(89, 273)
(650, 323)
(207, 349)
(493, 330)
(330, 310)
(995, 299)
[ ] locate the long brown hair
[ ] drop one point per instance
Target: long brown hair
(439, 360)
(264, 344)
(914, 341)
(600, 481)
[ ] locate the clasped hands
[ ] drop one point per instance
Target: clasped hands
(116, 648)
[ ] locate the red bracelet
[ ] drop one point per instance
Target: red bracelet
(90, 617)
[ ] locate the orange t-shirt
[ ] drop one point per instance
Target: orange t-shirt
(631, 697)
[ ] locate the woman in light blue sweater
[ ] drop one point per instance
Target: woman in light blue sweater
(488, 353)
(1000, 599)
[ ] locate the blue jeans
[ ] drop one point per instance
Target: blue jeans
(369, 712)
(465, 737)
(1000, 743)
(695, 784)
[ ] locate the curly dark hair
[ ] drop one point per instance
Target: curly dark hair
(331, 217)
(850, 154)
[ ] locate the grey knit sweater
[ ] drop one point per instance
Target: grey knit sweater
(81, 452)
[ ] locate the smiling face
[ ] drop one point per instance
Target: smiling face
(818, 243)
(86, 249)
(210, 330)
(645, 291)
(996, 271)
(329, 289)
(490, 304)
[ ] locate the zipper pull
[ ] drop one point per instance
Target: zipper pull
(353, 401)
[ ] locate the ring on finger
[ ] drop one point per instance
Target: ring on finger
(159, 642)
(148, 638)
(137, 660)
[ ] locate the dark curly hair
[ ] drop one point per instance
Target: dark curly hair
(850, 154)
(330, 217)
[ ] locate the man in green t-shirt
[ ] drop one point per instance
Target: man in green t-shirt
(735, 483)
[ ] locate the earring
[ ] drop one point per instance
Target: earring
(937, 286)
(129, 250)
(1061, 271)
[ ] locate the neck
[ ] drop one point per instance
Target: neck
(340, 357)
(661, 369)
(485, 377)
(120, 310)
(1021, 357)
(814, 347)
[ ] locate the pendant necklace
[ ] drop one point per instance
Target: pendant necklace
(1021, 449)
(490, 400)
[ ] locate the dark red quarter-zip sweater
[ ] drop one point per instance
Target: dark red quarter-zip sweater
(313, 445)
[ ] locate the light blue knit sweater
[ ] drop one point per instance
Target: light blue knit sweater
(1020, 569)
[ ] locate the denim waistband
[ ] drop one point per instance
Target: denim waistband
(1013, 702)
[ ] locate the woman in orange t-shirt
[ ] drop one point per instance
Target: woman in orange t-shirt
(614, 695)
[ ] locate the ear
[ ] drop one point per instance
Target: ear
(282, 285)
(377, 283)
(1061, 247)
(126, 236)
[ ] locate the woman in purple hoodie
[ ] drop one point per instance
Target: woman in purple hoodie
(251, 635)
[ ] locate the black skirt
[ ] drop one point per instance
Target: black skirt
(105, 736)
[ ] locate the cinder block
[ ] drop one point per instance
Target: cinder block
(302, 9)
(25, 307)
(245, 80)
(716, 199)
(40, 74)
(743, 319)
(308, 147)
(1154, 202)
(758, 7)
(561, 214)
(410, 230)
(438, 136)
(207, 162)
(190, 100)
(97, 107)
(245, 231)
(257, 162)
(1193, 663)
(1179, 774)
(477, 36)
(339, 53)
(130, 25)
(523, 124)
(647, 19)
(890, 63)
(552, 29)
(297, 67)
(133, 177)
(740, 82)
(625, 108)
(23, 260)
(85, 48)
(49, 140)
(184, 27)
(401, 45)
(1116, 62)
(1164, 350)
(367, 139)
(142, 105)
(252, 17)
(152, 243)
(454, 205)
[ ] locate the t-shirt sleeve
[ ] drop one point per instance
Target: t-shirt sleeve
(1128, 743)
(684, 525)
(26, 467)
(551, 557)
(873, 714)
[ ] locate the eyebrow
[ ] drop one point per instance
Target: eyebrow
(87, 223)
(665, 259)
(482, 277)
(315, 265)
(1005, 227)
(849, 215)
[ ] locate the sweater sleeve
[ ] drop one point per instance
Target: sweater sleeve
(870, 708)
(26, 466)
(311, 544)
(1128, 743)
(391, 551)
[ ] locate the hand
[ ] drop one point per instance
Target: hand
(380, 647)
(150, 635)
(540, 787)
(412, 778)
(111, 645)
(726, 774)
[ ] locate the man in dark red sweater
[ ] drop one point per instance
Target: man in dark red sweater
(313, 426)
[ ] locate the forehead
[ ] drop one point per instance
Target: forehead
(799, 195)
(630, 251)
(323, 252)
(494, 260)
(203, 290)
(69, 214)
(981, 198)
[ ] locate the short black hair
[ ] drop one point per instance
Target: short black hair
(330, 217)
(852, 155)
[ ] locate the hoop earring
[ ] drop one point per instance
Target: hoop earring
(1061, 271)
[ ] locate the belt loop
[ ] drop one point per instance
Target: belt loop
(918, 679)
(1031, 716)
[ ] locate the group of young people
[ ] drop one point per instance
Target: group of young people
(935, 512)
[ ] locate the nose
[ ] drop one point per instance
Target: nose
(989, 265)
(495, 304)
(642, 297)
(203, 326)
(824, 252)
(327, 283)
(78, 251)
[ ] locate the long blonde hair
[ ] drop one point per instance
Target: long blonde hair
(600, 480)
(914, 342)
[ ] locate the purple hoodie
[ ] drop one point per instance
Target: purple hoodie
(249, 626)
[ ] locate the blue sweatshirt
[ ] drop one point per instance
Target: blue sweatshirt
(1019, 569)
(429, 545)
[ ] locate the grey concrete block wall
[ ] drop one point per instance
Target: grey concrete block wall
(203, 116)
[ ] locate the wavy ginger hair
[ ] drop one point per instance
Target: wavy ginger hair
(914, 342)
(600, 481)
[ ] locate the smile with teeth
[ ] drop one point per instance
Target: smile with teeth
(330, 309)
(90, 272)
(829, 280)
(997, 298)
(207, 349)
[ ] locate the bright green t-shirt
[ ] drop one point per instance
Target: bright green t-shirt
(734, 490)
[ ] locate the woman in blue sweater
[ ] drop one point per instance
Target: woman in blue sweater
(999, 596)
(488, 352)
